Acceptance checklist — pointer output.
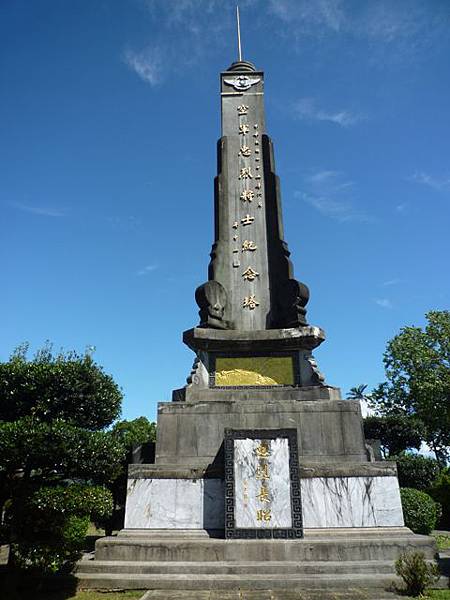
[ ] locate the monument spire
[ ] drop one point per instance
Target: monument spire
(238, 24)
(251, 284)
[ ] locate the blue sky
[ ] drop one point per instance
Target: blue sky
(109, 116)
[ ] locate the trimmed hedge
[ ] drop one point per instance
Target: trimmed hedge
(420, 511)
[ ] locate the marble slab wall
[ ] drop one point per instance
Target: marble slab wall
(351, 502)
(262, 487)
(175, 504)
(326, 502)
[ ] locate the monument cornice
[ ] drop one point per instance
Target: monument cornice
(222, 340)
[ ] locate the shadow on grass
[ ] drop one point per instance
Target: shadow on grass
(20, 585)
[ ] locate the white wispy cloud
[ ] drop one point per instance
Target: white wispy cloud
(390, 282)
(383, 302)
(308, 110)
(440, 184)
(310, 15)
(147, 64)
(44, 211)
(403, 26)
(330, 193)
(146, 270)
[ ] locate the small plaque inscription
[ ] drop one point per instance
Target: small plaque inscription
(262, 485)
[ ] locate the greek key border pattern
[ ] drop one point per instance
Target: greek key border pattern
(233, 532)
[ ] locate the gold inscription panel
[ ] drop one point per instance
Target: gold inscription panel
(254, 370)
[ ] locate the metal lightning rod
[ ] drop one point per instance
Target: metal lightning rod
(238, 34)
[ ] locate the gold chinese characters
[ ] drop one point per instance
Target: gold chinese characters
(250, 302)
(263, 514)
(249, 245)
(245, 173)
(247, 220)
(262, 451)
(247, 195)
(250, 274)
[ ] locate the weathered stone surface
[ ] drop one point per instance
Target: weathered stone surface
(306, 469)
(292, 338)
(327, 431)
(327, 545)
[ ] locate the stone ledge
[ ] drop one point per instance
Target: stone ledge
(260, 401)
(223, 340)
(307, 470)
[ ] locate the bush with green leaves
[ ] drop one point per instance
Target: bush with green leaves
(416, 471)
(440, 492)
(420, 511)
(54, 451)
(416, 572)
(51, 524)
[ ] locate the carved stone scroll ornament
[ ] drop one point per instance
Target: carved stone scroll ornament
(211, 298)
(292, 298)
(241, 83)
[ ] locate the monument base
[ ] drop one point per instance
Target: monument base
(185, 560)
(332, 495)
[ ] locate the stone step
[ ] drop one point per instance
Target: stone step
(256, 581)
(330, 548)
(233, 568)
(281, 594)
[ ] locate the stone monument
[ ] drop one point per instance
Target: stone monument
(262, 475)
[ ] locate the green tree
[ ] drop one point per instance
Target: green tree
(54, 411)
(358, 393)
(417, 365)
(396, 433)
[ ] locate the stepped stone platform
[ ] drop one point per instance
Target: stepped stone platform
(359, 559)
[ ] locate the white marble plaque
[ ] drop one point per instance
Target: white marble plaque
(262, 485)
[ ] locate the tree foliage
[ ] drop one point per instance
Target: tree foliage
(54, 448)
(396, 432)
(138, 431)
(417, 365)
(440, 492)
(416, 471)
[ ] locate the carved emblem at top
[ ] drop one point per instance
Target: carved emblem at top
(242, 82)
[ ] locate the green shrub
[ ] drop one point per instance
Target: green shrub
(419, 510)
(52, 524)
(77, 499)
(440, 492)
(56, 551)
(416, 471)
(416, 572)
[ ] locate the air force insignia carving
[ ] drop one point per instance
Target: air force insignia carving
(242, 82)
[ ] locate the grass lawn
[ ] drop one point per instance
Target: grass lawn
(438, 594)
(442, 541)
